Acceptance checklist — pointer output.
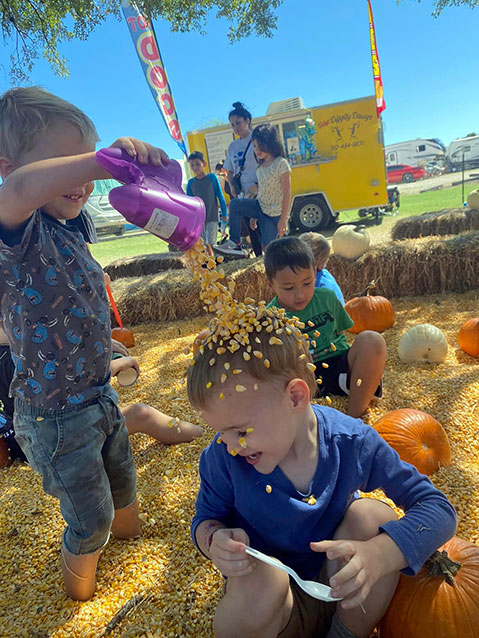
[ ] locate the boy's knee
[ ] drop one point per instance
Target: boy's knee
(372, 342)
(363, 519)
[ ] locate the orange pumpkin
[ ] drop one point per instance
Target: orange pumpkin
(124, 336)
(417, 437)
(5, 458)
(370, 312)
(442, 600)
(199, 340)
(469, 337)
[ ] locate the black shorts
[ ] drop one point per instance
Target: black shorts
(6, 413)
(336, 377)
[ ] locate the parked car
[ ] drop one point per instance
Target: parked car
(106, 219)
(404, 173)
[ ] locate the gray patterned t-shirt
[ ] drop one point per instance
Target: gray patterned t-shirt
(55, 312)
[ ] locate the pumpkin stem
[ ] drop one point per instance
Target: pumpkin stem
(371, 285)
(439, 564)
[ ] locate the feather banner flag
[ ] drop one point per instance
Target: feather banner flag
(146, 45)
(378, 83)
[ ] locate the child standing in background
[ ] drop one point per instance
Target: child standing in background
(268, 203)
(207, 187)
(321, 250)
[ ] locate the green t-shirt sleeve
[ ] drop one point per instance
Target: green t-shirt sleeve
(343, 320)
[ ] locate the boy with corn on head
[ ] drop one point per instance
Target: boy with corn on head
(281, 476)
(357, 370)
(54, 310)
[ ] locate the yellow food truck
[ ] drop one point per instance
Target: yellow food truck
(336, 152)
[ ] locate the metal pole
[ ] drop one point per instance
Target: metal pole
(462, 203)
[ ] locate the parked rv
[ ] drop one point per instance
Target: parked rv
(469, 146)
(336, 153)
(416, 152)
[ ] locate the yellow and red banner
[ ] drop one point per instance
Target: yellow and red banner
(378, 83)
(146, 45)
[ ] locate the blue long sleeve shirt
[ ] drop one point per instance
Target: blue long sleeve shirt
(209, 189)
(352, 456)
(324, 279)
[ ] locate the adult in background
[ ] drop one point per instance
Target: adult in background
(241, 164)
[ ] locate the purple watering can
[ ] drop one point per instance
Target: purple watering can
(153, 199)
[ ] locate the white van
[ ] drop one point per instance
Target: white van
(467, 146)
(416, 152)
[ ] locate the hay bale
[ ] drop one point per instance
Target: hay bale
(144, 265)
(442, 222)
(170, 295)
(426, 266)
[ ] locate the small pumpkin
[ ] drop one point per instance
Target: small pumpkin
(417, 437)
(473, 199)
(442, 600)
(200, 337)
(424, 343)
(5, 458)
(469, 337)
(351, 241)
(124, 336)
(370, 312)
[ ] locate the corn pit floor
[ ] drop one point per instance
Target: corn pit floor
(176, 588)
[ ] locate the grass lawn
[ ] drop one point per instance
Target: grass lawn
(145, 244)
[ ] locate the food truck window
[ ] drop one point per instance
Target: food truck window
(297, 142)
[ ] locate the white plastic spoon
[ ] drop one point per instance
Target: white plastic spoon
(316, 590)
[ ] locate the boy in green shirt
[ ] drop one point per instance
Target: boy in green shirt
(342, 370)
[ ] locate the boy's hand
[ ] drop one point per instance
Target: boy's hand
(142, 150)
(253, 223)
(117, 346)
(227, 552)
(362, 569)
(117, 365)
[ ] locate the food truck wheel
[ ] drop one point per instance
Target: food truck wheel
(310, 214)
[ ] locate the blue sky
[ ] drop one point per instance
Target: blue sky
(319, 52)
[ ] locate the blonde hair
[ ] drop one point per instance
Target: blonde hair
(26, 112)
(319, 245)
(276, 357)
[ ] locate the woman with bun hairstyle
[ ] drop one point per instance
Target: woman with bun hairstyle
(270, 209)
(241, 162)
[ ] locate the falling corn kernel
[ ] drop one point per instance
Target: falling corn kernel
(233, 451)
(242, 441)
(325, 365)
(333, 347)
(40, 418)
(311, 366)
(219, 440)
(316, 334)
(313, 343)
(240, 388)
(212, 361)
(220, 350)
(223, 377)
(249, 430)
(302, 356)
(269, 489)
(266, 363)
(220, 259)
(319, 381)
(258, 354)
(246, 356)
(208, 385)
(237, 371)
(310, 323)
(311, 500)
(358, 382)
(328, 400)
(255, 386)
(227, 366)
(249, 300)
(274, 341)
(171, 423)
(222, 395)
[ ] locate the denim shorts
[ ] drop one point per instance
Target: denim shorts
(84, 456)
(209, 234)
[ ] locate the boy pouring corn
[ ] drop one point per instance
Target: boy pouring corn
(281, 475)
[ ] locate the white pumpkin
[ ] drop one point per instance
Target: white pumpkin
(351, 241)
(423, 343)
(473, 199)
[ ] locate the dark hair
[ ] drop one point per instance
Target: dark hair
(287, 251)
(239, 110)
(196, 155)
(219, 166)
(268, 139)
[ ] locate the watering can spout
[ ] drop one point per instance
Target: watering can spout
(153, 199)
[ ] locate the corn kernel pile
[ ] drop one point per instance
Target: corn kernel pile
(169, 588)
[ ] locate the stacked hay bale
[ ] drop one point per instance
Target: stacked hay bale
(443, 222)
